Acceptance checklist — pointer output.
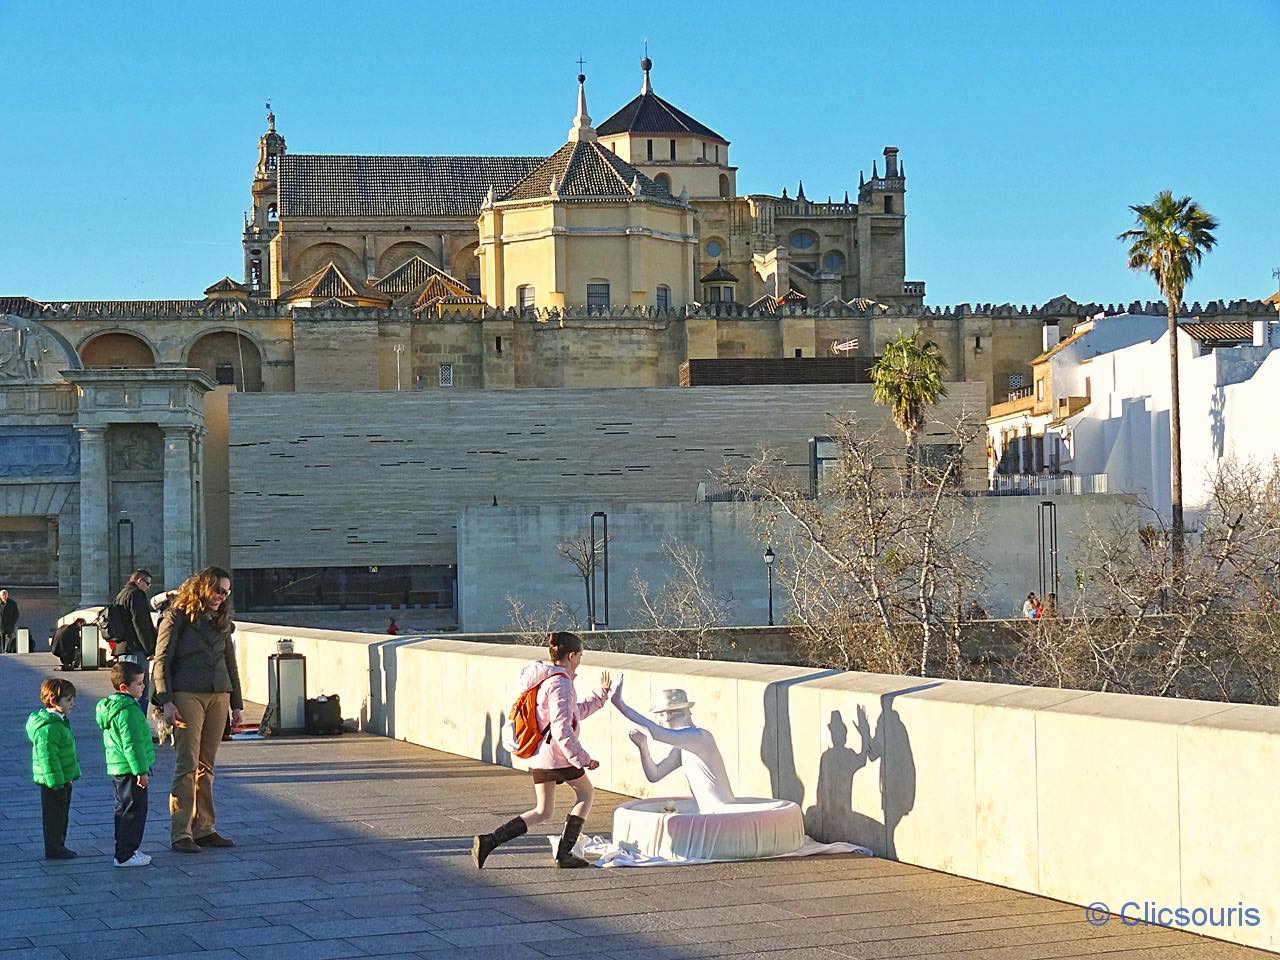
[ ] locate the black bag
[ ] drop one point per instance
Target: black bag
(324, 716)
(115, 622)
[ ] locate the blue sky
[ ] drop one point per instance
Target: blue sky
(1026, 128)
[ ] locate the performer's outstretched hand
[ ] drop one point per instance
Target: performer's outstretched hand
(637, 736)
(616, 697)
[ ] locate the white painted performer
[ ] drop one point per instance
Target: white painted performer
(694, 749)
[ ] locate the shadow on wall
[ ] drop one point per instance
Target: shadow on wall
(379, 715)
(491, 748)
(832, 817)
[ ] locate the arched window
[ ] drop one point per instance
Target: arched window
(833, 262)
(273, 215)
(724, 186)
(663, 297)
(525, 299)
(663, 181)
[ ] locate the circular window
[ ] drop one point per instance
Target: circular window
(714, 248)
(803, 240)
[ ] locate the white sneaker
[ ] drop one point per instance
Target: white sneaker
(139, 859)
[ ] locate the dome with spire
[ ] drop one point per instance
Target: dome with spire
(649, 113)
(584, 170)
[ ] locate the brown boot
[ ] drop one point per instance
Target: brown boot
(486, 843)
(565, 856)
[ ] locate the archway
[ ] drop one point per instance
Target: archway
(466, 267)
(312, 258)
(117, 349)
(227, 357)
(398, 254)
(725, 192)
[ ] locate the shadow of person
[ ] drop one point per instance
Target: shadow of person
(832, 817)
(501, 755)
(891, 745)
(486, 745)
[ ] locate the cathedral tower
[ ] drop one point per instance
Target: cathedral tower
(882, 247)
(262, 224)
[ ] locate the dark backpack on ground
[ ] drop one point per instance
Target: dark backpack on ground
(324, 716)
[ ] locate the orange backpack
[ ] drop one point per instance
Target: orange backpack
(520, 734)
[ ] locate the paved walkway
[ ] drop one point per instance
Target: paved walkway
(359, 847)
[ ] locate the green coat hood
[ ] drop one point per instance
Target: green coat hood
(126, 738)
(53, 749)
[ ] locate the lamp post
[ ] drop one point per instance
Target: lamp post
(604, 539)
(769, 557)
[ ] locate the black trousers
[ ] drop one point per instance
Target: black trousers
(131, 815)
(55, 808)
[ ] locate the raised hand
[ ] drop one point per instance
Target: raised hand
(605, 683)
(617, 690)
(637, 737)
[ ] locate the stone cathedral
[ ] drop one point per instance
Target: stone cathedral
(619, 258)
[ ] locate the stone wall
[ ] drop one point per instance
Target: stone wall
(373, 478)
(510, 551)
(1082, 797)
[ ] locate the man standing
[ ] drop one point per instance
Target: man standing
(8, 623)
(139, 641)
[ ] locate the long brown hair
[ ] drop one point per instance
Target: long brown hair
(199, 588)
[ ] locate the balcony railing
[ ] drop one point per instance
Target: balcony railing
(1047, 485)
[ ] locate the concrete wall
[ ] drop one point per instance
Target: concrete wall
(1078, 796)
(373, 478)
(510, 552)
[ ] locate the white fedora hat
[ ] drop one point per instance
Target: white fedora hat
(669, 700)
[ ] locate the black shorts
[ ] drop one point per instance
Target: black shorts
(557, 775)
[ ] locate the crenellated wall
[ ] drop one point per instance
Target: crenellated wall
(1082, 797)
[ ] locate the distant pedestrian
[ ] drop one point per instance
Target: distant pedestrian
(130, 754)
(393, 628)
(8, 623)
(138, 645)
(66, 644)
(53, 763)
(1029, 607)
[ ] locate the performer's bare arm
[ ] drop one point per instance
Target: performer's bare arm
(654, 772)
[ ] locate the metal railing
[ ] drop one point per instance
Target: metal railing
(1045, 484)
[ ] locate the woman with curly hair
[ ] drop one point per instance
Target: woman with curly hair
(197, 682)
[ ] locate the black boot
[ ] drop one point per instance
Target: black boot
(565, 856)
(486, 843)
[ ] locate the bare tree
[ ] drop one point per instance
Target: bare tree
(534, 624)
(874, 565)
(681, 616)
(581, 553)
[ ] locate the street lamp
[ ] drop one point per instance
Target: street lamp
(769, 557)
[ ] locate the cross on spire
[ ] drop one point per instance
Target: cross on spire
(581, 63)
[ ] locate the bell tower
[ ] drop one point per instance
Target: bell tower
(263, 223)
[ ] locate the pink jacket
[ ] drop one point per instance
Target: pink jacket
(558, 705)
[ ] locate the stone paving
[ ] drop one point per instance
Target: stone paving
(358, 846)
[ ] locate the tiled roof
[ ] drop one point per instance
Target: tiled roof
(649, 113)
(409, 276)
(440, 287)
(584, 170)
(226, 285)
(792, 296)
(1217, 332)
(766, 304)
(719, 275)
(347, 186)
(327, 283)
(20, 305)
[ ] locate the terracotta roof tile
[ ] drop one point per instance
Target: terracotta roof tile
(584, 170)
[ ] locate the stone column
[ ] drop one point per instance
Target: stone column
(95, 556)
(180, 533)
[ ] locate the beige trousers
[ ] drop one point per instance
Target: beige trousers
(196, 739)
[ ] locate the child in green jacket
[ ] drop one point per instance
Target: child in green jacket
(130, 753)
(53, 763)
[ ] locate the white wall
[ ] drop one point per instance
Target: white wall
(1078, 796)
(1228, 396)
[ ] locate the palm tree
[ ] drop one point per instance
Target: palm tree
(1169, 238)
(908, 380)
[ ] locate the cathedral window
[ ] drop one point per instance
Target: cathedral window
(717, 146)
(663, 299)
(888, 204)
(663, 181)
(649, 149)
(714, 248)
(726, 294)
(255, 274)
(803, 240)
(224, 374)
(272, 214)
(271, 161)
(497, 345)
(446, 374)
(525, 299)
(725, 190)
(673, 149)
(598, 295)
(833, 262)
(473, 284)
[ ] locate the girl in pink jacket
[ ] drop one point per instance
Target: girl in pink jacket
(561, 758)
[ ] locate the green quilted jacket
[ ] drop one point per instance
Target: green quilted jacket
(125, 735)
(53, 749)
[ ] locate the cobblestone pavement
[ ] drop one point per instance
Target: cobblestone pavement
(358, 846)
